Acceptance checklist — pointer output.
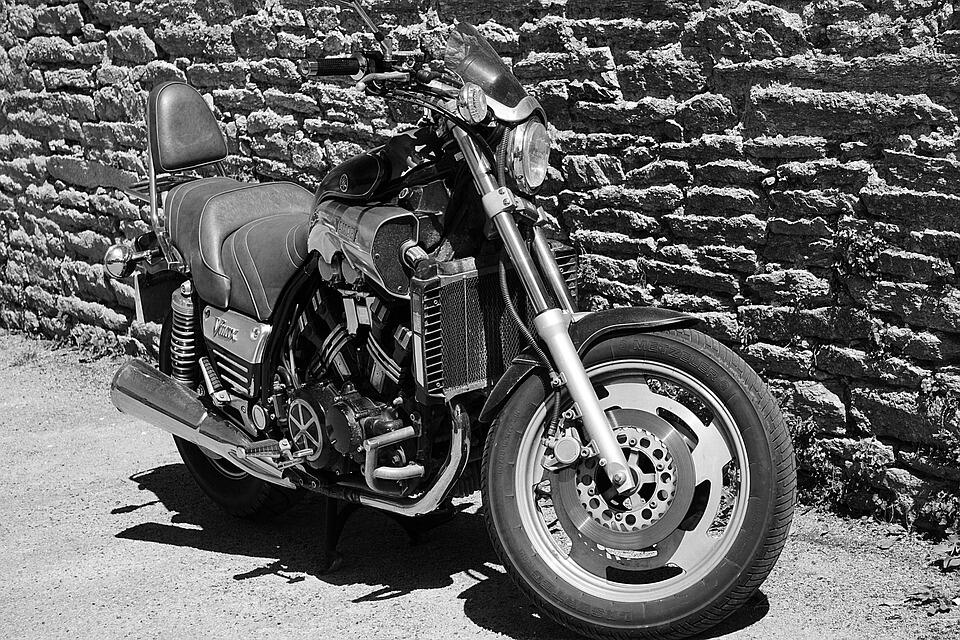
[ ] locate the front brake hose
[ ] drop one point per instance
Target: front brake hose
(551, 429)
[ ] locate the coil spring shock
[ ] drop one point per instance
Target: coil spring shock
(184, 337)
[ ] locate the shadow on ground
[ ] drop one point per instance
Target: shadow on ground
(377, 552)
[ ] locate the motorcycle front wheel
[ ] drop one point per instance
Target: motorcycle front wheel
(714, 463)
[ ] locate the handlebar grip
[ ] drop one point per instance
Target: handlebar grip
(330, 67)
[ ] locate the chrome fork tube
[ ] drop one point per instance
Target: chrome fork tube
(551, 270)
(551, 323)
(498, 210)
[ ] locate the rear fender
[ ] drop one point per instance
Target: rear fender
(585, 331)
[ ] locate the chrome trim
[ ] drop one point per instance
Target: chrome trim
(553, 327)
(250, 339)
(143, 392)
(456, 460)
(551, 270)
(524, 109)
(372, 473)
(350, 231)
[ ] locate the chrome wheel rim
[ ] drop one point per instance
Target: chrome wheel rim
(223, 467)
(683, 555)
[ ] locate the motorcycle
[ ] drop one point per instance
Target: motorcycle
(409, 332)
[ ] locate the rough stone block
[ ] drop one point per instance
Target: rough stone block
(610, 243)
(791, 286)
(708, 148)
(922, 345)
(726, 201)
(739, 230)
(724, 258)
(663, 273)
(720, 325)
(774, 359)
(783, 324)
(914, 267)
(784, 110)
(913, 303)
(780, 147)
(62, 19)
(799, 205)
(857, 364)
(84, 173)
(129, 44)
(660, 172)
(661, 73)
(195, 39)
(919, 172)
(734, 173)
(888, 413)
(706, 113)
(586, 172)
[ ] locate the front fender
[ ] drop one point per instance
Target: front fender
(586, 331)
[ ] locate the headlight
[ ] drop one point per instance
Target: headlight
(530, 155)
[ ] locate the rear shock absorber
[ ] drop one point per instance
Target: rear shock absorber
(184, 337)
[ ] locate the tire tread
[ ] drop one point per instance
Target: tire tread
(778, 530)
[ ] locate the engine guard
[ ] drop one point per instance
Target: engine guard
(586, 331)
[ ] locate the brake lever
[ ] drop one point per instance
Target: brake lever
(388, 76)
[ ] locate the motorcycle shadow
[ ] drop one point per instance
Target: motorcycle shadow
(377, 552)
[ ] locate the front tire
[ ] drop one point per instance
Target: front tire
(716, 465)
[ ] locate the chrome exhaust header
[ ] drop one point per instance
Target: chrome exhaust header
(140, 390)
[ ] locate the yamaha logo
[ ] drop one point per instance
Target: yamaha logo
(222, 330)
(344, 183)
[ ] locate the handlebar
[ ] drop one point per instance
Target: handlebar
(329, 67)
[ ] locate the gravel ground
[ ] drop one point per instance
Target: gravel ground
(105, 535)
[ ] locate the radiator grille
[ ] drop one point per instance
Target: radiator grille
(469, 337)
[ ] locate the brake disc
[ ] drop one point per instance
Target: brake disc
(662, 465)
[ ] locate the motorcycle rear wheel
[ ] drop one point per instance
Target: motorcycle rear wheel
(715, 463)
(232, 489)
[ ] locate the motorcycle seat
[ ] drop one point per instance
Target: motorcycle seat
(241, 241)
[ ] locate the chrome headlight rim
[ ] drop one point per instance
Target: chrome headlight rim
(525, 142)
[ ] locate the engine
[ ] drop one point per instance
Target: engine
(353, 411)
(333, 422)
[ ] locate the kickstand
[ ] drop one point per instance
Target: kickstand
(416, 527)
(334, 520)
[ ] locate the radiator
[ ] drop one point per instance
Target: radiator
(464, 338)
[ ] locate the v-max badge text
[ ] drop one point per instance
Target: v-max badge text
(222, 330)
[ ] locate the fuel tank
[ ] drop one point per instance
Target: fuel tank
(359, 226)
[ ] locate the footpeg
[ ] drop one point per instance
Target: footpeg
(277, 451)
(212, 382)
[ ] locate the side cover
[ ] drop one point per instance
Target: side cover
(586, 331)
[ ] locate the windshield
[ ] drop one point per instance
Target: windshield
(470, 56)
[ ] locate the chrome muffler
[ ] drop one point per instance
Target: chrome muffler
(140, 390)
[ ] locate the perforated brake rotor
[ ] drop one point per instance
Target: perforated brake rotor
(654, 472)
(662, 465)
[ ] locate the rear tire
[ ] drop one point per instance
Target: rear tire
(657, 588)
(235, 491)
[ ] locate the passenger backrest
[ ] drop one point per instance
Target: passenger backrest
(182, 131)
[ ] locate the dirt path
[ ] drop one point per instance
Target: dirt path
(105, 535)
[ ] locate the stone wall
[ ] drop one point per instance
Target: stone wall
(786, 169)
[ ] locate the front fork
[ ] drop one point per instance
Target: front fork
(552, 323)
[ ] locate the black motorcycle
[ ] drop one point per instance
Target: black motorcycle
(409, 333)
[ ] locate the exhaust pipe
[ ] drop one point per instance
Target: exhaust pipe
(140, 390)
